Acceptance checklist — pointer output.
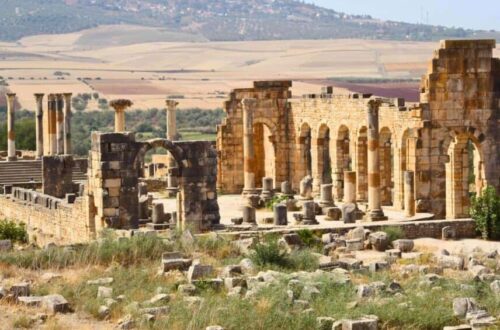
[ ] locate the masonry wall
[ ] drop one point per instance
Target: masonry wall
(48, 219)
(324, 134)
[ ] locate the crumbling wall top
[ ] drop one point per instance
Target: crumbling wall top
(478, 43)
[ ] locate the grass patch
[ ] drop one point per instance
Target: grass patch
(107, 251)
(394, 233)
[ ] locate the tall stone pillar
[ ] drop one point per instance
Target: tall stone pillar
(249, 106)
(60, 124)
(11, 131)
(171, 135)
(68, 149)
(375, 212)
(39, 125)
(409, 193)
(120, 106)
(51, 123)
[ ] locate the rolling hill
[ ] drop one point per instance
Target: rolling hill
(214, 20)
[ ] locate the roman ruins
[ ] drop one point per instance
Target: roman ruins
(359, 155)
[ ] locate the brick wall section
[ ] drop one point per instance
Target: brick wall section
(48, 219)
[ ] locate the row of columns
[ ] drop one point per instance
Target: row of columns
(56, 122)
(375, 212)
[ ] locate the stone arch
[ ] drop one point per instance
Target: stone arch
(362, 163)
(168, 145)
(343, 161)
(264, 136)
(465, 173)
(401, 162)
(303, 158)
(386, 157)
(322, 167)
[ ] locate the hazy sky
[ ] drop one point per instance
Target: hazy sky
(475, 14)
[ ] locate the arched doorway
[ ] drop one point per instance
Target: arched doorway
(464, 175)
(265, 159)
(361, 164)
(386, 157)
(343, 159)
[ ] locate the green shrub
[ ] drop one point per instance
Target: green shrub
(13, 231)
(275, 201)
(269, 254)
(394, 233)
(307, 237)
(485, 210)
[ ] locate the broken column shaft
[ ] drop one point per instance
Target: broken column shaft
(39, 125)
(349, 187)
(248, 146)
(375, 212)
(11, 133)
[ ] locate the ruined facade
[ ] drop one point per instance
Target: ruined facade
(441, 144)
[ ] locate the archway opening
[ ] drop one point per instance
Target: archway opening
(343, 159)
(386, 157)
(464, 175)
(361, 164)
(265, 160)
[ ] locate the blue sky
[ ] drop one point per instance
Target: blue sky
(475, 14)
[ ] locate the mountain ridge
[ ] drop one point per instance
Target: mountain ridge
(215, 20)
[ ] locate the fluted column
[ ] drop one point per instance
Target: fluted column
(60, 124)
(51, 123)
(171, 135)
(120, 106)
(248, 145)
(68, 149)
(39, 125)
(375, 212)
(11, 131)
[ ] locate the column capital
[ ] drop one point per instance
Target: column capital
(51, 97)
(373, 104)
(39, 96)
(171, 104)
(249, 103)
(10, 96)
(120, 104)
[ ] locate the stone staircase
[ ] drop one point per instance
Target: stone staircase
(29, 171)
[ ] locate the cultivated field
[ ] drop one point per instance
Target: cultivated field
(146, 65)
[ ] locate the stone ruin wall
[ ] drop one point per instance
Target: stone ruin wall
(460, 101)
(49, 219)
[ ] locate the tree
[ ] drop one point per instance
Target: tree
(485, 210)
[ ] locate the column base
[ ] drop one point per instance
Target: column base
(323, 204)
(375, 215)
(172, 191)
(12, 159)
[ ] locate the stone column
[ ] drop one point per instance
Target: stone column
(409, 193)
(326, 195)
(248, 146)
(11, 131)
(375, 212)
(68, 150)
(60, 124)
(39, 125)
(349, 187)
(171, 135)
(120, 106)
(51, 123)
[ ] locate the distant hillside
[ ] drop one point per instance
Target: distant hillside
(216, 20)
